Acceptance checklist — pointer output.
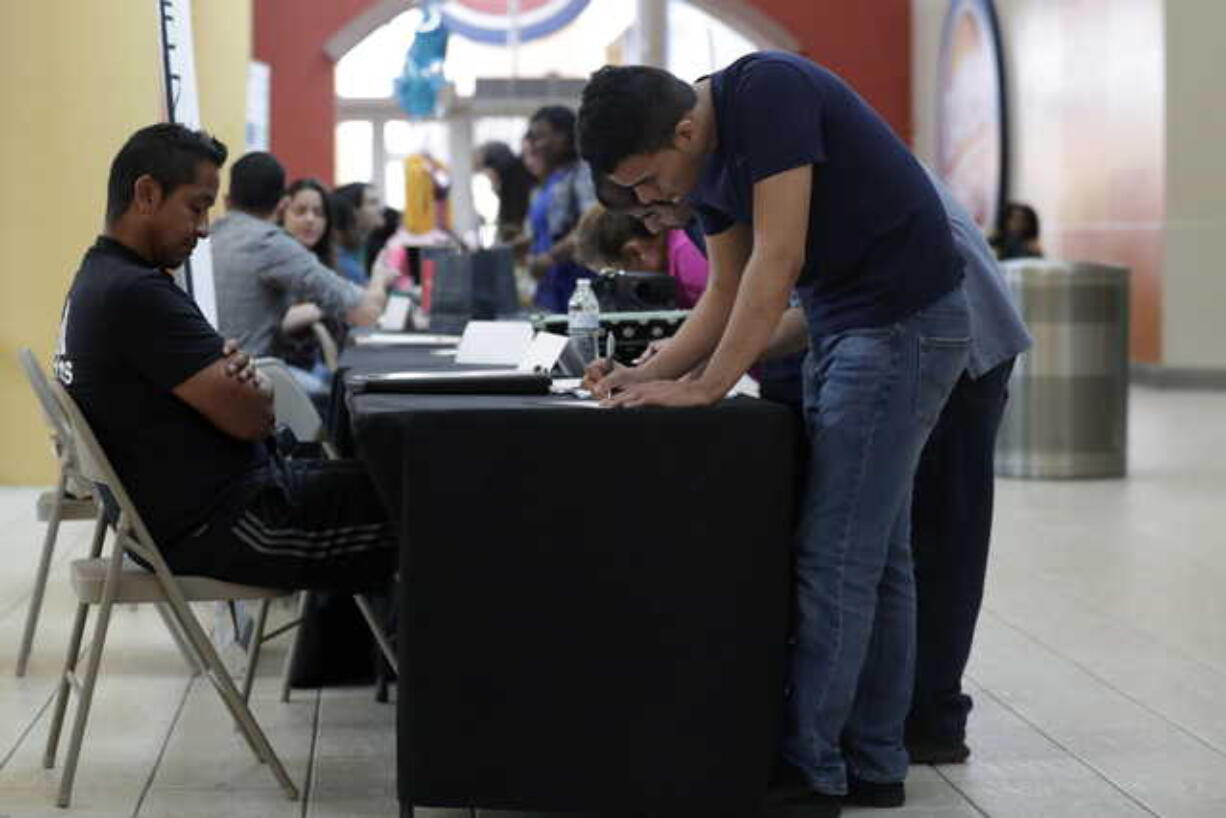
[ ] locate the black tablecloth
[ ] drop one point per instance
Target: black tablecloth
(594, 601)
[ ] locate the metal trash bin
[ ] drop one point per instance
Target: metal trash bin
(1067, 414)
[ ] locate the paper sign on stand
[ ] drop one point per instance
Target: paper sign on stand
(543, 353)
(395, 316)
(494, 343)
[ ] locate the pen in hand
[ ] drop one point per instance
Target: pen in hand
(610, 344)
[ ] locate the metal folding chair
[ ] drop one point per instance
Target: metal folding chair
(56, 505)
(105, 581)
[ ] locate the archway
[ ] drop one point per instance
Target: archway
(867, 43)
(497, 88)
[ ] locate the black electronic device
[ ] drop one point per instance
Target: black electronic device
(632, 331)
(634, 291)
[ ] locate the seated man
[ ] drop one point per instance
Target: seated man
(182, 415)
(261, 270)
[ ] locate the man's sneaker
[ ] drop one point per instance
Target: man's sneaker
(790, 796)
(875, 794)
(925, 751)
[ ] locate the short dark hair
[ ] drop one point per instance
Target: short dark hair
(257, 182)
(352, 193)
(1031, 231)
(168, 152)
(562, 120)
(630, 110)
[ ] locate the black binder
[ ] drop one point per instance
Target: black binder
(471, 382)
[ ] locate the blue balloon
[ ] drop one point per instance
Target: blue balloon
(418, 86)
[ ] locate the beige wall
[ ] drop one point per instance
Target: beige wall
(1194, 271)
(1086, 87)
(75, 80)
(223, 52)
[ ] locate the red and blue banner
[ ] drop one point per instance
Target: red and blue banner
(489, 21)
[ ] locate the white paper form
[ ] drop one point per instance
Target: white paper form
(494, 343)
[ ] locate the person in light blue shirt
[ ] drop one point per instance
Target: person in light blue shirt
(951, 513)
(356, 212)
(953, 487)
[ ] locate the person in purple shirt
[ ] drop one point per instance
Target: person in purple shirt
(800, 184)
(607, 238)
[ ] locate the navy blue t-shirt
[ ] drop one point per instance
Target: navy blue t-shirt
(128, 336)
(879, 246)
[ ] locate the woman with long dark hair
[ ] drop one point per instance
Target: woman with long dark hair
(306, 217)
(305, 214)
(513, 183)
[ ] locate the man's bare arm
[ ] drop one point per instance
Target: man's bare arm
(791, 335)
(699, 335)
(781, 223)
(232, 395)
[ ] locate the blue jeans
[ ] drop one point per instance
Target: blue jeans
(871, 398)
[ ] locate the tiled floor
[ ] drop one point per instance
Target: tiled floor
(1099, 674)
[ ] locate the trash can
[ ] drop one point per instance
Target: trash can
(1067, 415)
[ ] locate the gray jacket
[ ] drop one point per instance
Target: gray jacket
(260, 272)
(997, 330)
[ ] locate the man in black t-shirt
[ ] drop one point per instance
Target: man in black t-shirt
(183, 415)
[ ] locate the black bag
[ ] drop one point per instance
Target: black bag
(335, 646)
(478, 285)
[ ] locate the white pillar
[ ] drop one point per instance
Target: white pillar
(460, 146)
(378, 157)
(653, 33)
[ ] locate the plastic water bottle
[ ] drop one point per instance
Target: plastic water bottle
(583, 321)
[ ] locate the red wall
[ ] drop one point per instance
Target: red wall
(869, 44)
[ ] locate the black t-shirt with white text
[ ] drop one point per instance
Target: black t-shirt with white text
(128, 336)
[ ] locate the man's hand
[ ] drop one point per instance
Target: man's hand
(232, 394)
(604, 377)
(239, 364)
(539, 264)
(301, 316)
(651, 350)
(663, 393)
(385, 273)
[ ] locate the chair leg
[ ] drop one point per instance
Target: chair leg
(376, 630)
(40, 576)
(176, 633)
(87, 684)
(95, 545)
(303, 598)
(253, 653)
(220, 677)
(61, 697)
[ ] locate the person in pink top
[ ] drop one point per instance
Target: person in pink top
(620, 240)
